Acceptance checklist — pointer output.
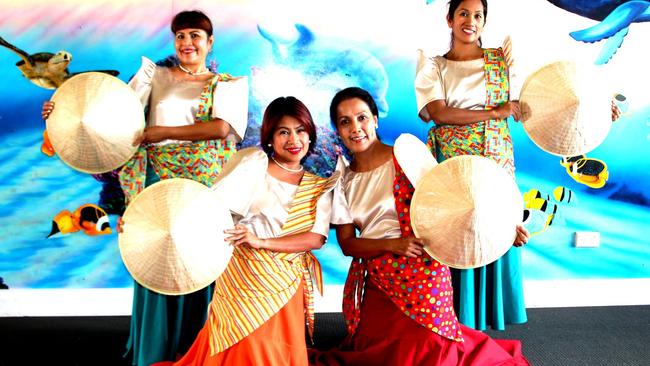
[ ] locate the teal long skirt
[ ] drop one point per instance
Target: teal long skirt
(490, 296)
(164, 327)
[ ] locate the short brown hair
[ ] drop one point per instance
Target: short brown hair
(191, 19)
(286, 106)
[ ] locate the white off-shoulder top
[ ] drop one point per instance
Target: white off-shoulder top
(366, 200)
(173, 102)
(461, 84)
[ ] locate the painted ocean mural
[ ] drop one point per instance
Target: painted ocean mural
(311, 52)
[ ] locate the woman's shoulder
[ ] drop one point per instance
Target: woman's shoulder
(327, 183)
(142, 80)
(147, 68)
(426, 62)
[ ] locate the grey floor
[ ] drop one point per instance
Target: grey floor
(593, 336)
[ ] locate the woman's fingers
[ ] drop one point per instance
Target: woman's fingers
(616, 112)
(236, 230)
(522, 236)
(235, 236)
(417, 251)
(48, 106)
(517, 114)
(417, 241)
(120, 225)
(138, 139)
(238, 235)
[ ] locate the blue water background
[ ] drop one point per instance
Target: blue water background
(33, 188)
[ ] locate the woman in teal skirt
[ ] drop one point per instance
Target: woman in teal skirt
(195, 118)
(469, 93)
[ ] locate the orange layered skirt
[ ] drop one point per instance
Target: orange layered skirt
(279, 341)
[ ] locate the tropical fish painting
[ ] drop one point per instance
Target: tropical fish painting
(90, 219)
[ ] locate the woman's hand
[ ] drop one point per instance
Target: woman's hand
(151, 135)
(240, 235)
(522, 236)
(120, 225)
(508, 109)
(409, 247)
(616, 112)
(48, 107)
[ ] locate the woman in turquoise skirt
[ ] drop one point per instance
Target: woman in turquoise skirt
(469, 93)
(195, 118)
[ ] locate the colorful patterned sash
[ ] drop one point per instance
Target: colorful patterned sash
(420, 287)
(489, 138)
(257, 283)
(200, 161)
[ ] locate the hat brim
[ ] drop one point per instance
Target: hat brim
(467, 209)
(173, 237)
(94, 123)
(565, 111)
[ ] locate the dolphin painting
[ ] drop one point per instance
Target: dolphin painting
(615, 17)
(359, 67)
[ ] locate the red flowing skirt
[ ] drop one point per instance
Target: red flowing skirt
(280, 341)
(385, 336)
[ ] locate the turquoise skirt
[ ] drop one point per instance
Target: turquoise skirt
(491, 296)
(164, 327)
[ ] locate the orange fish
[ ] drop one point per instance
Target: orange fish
(46, 147)
(89, 218)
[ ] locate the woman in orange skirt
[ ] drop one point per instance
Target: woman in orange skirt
(264, 298)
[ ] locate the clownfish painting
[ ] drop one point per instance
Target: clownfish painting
(89, 218)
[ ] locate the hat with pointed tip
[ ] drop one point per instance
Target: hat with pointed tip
(172, 240)
(94, 122)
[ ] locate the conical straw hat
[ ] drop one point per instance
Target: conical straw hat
(565, 110)
(94, 122)
(413, 156)
(467, 208)
(173, 240)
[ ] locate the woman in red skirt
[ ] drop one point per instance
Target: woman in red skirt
(398, 301)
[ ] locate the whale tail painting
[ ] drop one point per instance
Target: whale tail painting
(615, 18)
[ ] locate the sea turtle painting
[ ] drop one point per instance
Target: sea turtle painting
(45, 69)
(615, 17)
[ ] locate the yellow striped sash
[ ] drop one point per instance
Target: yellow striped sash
(257, 283)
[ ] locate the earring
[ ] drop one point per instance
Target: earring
(269, 145)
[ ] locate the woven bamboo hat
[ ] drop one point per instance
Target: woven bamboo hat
(467, 208)
(565, 110)
(172, 240)
(413, 156)
(96, 118)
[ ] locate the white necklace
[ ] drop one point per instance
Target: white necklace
(285, 168)
(193, 73)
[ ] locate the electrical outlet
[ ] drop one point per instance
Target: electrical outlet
(586, 239)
